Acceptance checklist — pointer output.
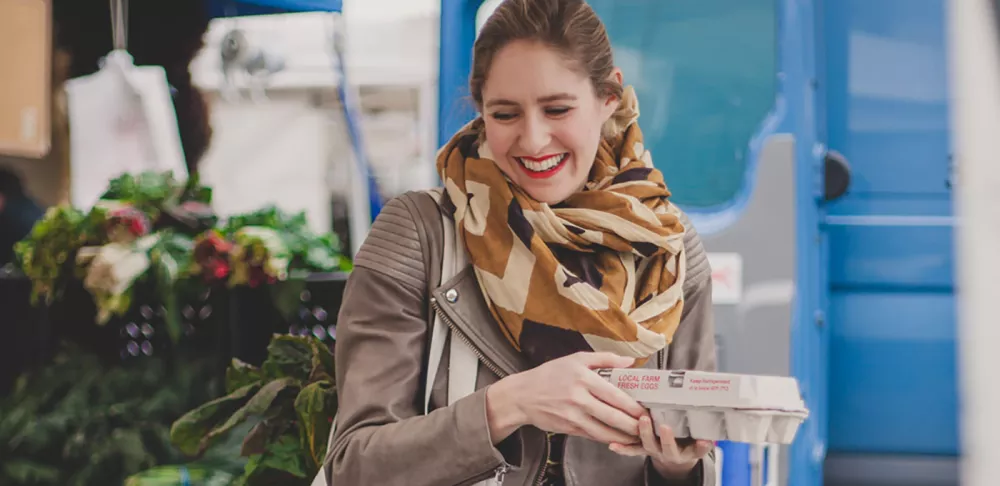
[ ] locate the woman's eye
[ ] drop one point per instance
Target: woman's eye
(562, 110)
(504, 116)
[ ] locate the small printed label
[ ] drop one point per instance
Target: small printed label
(727, 277)
(639, 382)
(677, 387)
(708, 384)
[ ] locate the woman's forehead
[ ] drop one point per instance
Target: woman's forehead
(528, 72)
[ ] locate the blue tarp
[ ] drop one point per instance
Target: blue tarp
(232, 8)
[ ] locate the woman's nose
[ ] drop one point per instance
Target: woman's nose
(535, 135)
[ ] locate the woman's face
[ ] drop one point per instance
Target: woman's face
(543, 120)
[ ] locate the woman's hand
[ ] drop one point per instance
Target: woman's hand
(672, 458)
(565, 396)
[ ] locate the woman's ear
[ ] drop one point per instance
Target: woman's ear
(617, 77)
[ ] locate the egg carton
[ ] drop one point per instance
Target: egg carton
(735, 425)
(705, 405)
(708, 389)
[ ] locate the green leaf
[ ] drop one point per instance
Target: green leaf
(257, 405)
(190, 431)
(323, 367)
(315, 406)
(283, 455)
(240, 374)
(256, 441)
(288, 356)
(166, 277)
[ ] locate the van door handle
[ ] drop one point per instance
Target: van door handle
(837, 175)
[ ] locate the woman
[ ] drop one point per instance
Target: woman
(578, 262)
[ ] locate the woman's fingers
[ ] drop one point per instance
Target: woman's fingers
(649, 441)
(610, 412)
(613, 418)
(628, 450)
(614, 396)
(598, 432)
(703, 447)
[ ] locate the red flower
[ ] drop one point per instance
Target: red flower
(221, 270)
(134, 222)
(211, 253)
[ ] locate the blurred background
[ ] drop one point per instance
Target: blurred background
(825, 149)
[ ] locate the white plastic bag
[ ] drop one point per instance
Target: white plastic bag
(121, 120)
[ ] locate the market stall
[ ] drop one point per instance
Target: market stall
(129, 308)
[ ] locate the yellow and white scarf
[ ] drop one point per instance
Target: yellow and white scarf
(601, 271)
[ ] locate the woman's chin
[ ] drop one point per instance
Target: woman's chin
(551, 190)
(550, 194)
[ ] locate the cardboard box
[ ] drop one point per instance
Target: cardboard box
(717, 406)
(25, 77)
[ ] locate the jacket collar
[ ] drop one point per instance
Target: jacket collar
(462, 302)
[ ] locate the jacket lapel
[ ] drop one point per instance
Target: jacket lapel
(463, 304)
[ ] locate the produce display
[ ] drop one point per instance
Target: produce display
(152, 253)
(151, 227)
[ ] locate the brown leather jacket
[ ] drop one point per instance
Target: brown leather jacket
(383, 438)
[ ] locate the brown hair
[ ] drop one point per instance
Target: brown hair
(569, 26)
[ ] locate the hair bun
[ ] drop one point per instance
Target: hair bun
(625, 115)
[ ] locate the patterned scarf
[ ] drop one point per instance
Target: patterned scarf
(601, 271)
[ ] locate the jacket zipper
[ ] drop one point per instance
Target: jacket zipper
(498, 475)
(501, 471)
(455, 331)
(545, 461)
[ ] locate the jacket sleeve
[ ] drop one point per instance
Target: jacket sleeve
(693, 346)
(382, 436)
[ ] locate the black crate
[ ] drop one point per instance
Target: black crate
(255, 320)
(32, 334)
(222, 322)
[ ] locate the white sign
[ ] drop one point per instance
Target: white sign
(727, 277)
(123, 122)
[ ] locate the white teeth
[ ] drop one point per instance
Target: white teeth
(544, 164)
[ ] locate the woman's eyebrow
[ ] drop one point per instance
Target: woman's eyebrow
(543, 99)
(557, 97)
(501, 102)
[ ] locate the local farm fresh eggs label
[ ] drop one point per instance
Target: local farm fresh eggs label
(675, 387)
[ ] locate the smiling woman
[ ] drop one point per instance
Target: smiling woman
(543, 120)
(577, 260)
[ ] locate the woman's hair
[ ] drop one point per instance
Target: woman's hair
(569, 26)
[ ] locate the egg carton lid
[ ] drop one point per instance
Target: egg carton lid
(708, 389)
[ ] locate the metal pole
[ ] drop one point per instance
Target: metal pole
(458, 34)
(974, 50)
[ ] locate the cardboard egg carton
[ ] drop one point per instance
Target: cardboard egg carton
(717, 406)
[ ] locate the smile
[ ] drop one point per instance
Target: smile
(544, 166)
